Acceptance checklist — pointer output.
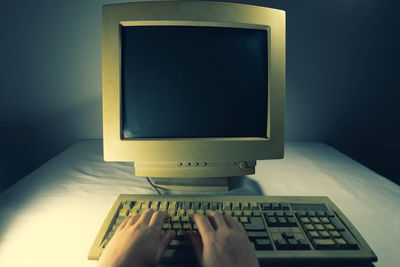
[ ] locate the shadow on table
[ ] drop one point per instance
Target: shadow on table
(243, 185)
(340, 264)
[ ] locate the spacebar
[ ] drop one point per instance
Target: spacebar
(180, 254)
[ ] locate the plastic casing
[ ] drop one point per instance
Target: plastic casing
(192, 157)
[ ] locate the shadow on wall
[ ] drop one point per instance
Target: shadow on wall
(28, 141)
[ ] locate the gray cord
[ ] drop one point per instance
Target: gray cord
(154, 186)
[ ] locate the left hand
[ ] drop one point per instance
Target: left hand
(137, 242)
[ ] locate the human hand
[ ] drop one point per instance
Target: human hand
(137, 242)
(222, 242)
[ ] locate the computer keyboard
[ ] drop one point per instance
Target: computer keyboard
(281, 228)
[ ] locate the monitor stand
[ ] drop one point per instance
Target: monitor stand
(219, 184)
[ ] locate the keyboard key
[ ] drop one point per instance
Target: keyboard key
(275, 206)
(271, 221)
(329, 226)
(263, 244)
(314, 220)
(256, 213)
(186, 226)
(324, 220)
(341, 243)
(270, 213)
(189, 212)
(313, 234)
(265, 206)
(282, 221)
(175, 243)
(228, 212)
(288, 235)
(321, 213)
(324, 234)
(124, 212)
(180, 212)
(166, 226)
(213, 206)
(311, 213)
(253, 206)
(226, 206)
(285, 206)
(279, 213)
(176, 226)
(281, 244)
(338, 224)
(171, 213)
(309, 227)
(330, 213)
(175, 219)
(256, 224)
(289, 214)
(292, 221)
(243, 220)
(334, 233)
(163, 205)
(305, 220)
(301, 213)
(186, 205)
(195, 205)
(293, 243)
(247, 213)
(245, 206)
(237, 213)
(154, 205)
(252, 234)
(303, 244)
(172, 205)
(324, 243)
(204, 205)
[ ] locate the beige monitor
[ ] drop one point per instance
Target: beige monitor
(193, 91)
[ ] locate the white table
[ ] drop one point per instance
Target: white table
(51, 217)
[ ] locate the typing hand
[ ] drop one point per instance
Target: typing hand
(222, 242)
(137, 242)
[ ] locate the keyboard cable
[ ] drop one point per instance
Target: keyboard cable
(154, 186)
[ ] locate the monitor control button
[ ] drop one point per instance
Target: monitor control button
(180, 164)
(243, 165)
(204, 163)
(196, 164)
(187, 163)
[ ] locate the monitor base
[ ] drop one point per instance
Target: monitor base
(219, 184)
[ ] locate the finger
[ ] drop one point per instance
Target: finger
(165, 239)
(218, 220)
(122, 225)
(133, 219)
(158, 219)
(240, 227)
(197, 246)
(212, 222)
(229, 221)
(203, 224)
(145, 217)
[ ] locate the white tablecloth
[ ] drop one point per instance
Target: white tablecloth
(51, 217)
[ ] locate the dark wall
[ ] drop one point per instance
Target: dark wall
(342, 78)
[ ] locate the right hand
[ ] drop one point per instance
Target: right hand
(222, 242)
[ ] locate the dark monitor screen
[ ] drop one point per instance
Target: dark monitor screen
(193, 81)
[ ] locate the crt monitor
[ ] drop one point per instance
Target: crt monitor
(193, 92)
